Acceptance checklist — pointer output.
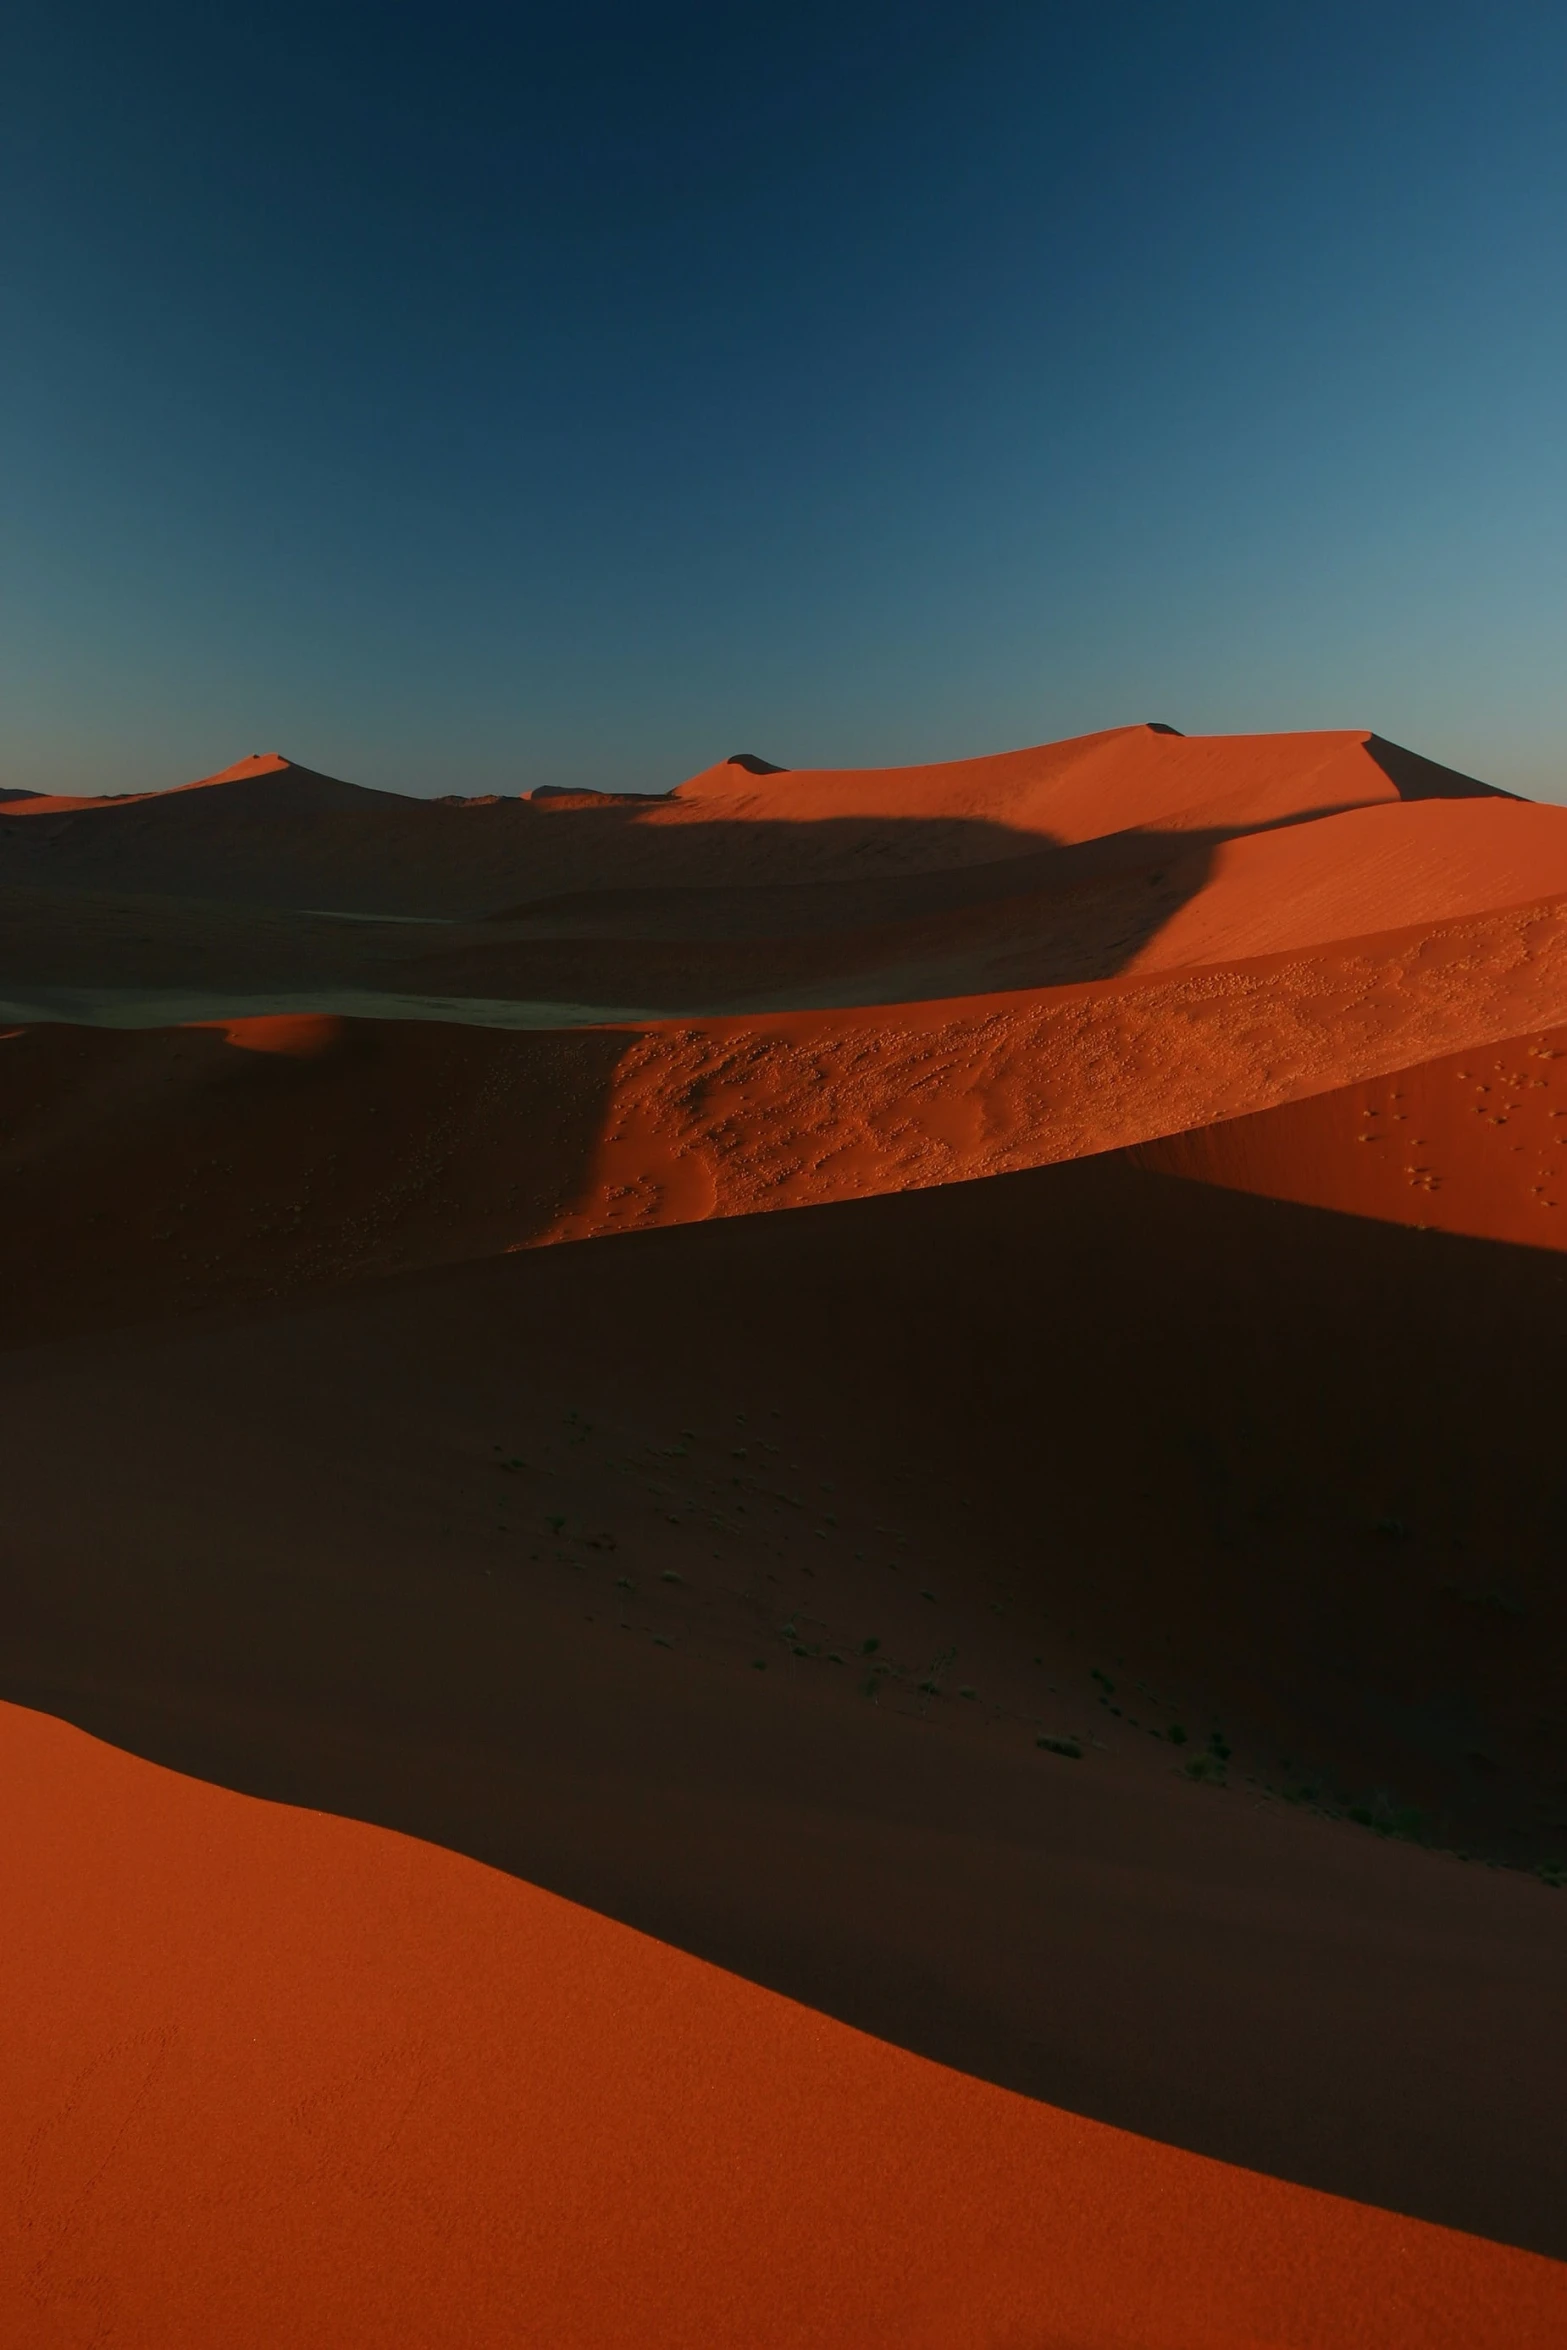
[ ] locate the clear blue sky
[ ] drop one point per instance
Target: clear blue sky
(469, 397)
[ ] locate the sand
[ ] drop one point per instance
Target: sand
(186, 1171)
(402, 1553)
(417, 1410)
(339, 2086)
(269, 833)
(1470, 1142)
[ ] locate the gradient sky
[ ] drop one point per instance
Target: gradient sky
(471, 397)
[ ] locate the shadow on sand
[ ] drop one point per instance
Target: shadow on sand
(1265, 1462)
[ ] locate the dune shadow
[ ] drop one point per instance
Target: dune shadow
(145, 1170)
(148, 1174)
(636, 917)
(1417, 778)
(1264, 1463)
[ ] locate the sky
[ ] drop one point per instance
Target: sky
(473, 397)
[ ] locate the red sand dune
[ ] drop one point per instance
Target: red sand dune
(289, 2078)
(1099, 783)
(1474, 1142)
(339, 2087)
(347, 848)
(1361, 872)
(56, 803)
(489, 1554)
(188, 1174)
(301, 1036)
(731, 1117)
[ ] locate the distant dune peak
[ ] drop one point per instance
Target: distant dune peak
(258, 763)
(753, 765)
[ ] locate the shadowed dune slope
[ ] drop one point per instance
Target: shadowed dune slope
(492, 1555)
(331, 2086)
(156, 1171)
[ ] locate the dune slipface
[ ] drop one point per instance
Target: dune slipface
(946, 1694)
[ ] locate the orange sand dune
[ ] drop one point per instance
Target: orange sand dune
(346, 849)
(259, 765)
(185, 1173)
(1251, 1500)
(1136, 902)
(734, 1116)
(302, 1036)
(490, 1554)
(1361, 872)
(1474, 1142)
(1100, 783)
(290, 2078)
(1072, 864)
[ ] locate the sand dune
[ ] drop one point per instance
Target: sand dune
(1128, 776)
(345, 848)
(344, 2087)
(1070, 865)
(172, 1170)
(347, 1552)
(1472, 1142)
(286, 789)
(416, 1409)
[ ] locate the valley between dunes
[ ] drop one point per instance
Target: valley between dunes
(783, 1565)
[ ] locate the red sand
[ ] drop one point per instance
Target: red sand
(1361, 872)
(407, 1552)
(285, 2078)
(354, 1147)
(1473, 1142)
(283, 835)
(56, 803)
(338, 2087)
(734, 1116)
(302, 1036)
(1095, 784)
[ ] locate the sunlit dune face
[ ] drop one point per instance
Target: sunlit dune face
(369, 2092)
(1473, 1142)
(301, 1036)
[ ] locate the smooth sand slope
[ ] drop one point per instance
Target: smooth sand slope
(1473, 1142)
(341, 2087)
